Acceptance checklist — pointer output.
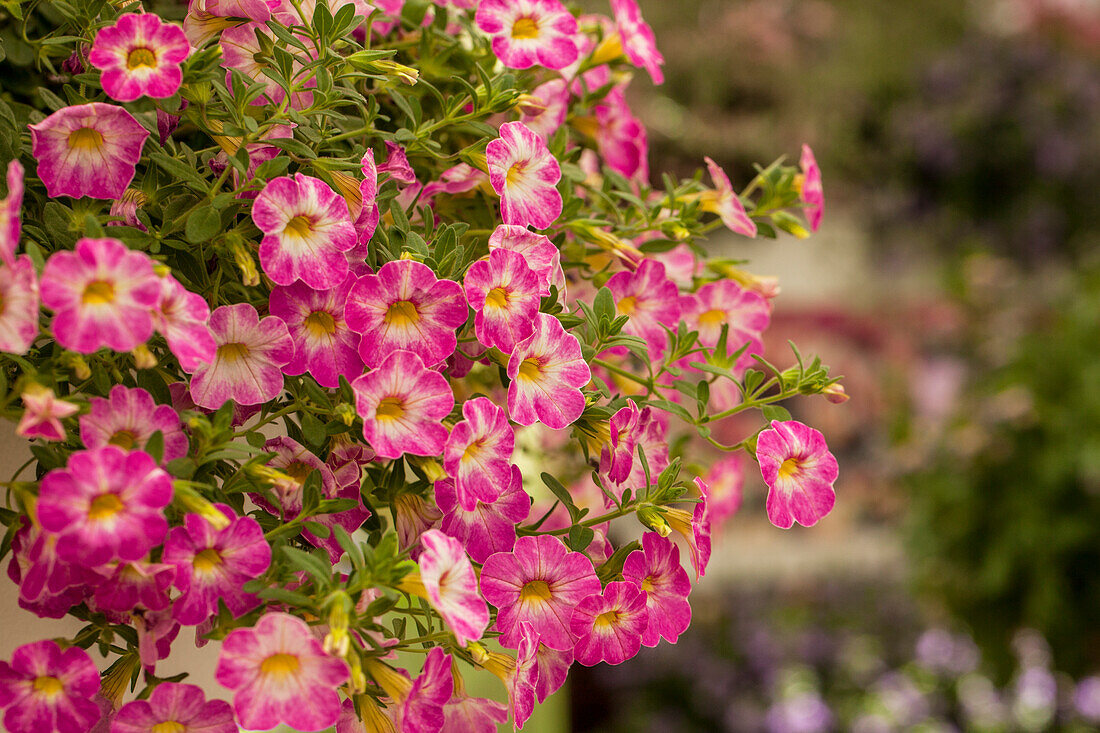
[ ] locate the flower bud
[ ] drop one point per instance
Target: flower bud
(345, 413)
(609, 49)
(250, 277)
(529, 104)
(652, 518)
(337, 640)
(195, 503)
(143, 358)
(77, 365)
(835, 393)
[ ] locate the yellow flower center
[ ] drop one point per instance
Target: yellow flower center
(207, 560)
(299, 226)
(628, 305)
(390, 408)
(233, 351)
(647, 584)
(530, 369)
(48, 686)
(124, 439)
(525, 28)
(169, 726)
(713, 317)
(608, 619)
(280, 664)
(535, 590)
(515, 173)
(788, 468)
(298, 470)
(497, 297)
(139, 57)
(473, 449)
(320, 323)
(85, 138)
(104, 507)
(402, 313)
(98, 292)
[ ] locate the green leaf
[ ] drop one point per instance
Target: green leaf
(313, 430)
(203, 225)
(562, 495)
(579, 538)
(775, 412)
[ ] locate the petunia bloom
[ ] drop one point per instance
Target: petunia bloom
(488, 528)
(726, 480)
(539, 582)
(397, 164)
(725, 302)
(609, 625)
(451, 586)
(307, 228)
(182, 316)
(538, 252)
(280, 674)
(128, 418)
(11, 206)
(547, 372)
(529, 32)
(525, 175)
(813, 195)
(45, 689)
(242, 51)
(247, 366)
(650, 300)
(43, 413)
(478, 453)
(88, 150)
(504, 293)
(324, 345)
(404, 306)
(551, 105)
(637, 38)
(725, 202)
(656, 569)
(101, 294)
(175, 708)
(135, 585)
(799, 470)
(617, 456)
(402, 404)
(139, 55)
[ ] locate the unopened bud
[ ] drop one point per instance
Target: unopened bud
(76, 364)
(195, 503)
(161, 270)
(652, 518)
(530, 105)
(345, 413)
(478, 651)
(609, 49)
(835, 393)
(143, 358)
(250, 276)
(431, 468)
(384, 67)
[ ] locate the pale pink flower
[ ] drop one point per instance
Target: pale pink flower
(488, 528)
(524, 173)
(609, 625)
(813, 195)
(504, 293)
(656, 570)
(182, 316)
(451, 586)
(725, 302)
(650, 300)
(324, 346)
(799, 470)
(538, 251)
(725, 202)
(45, 689)
(637, 38)
(11, 207)
(478, 453)
(397, 164)
(128, 419)
(681, 265)
(552, 107)
(43, 413)
(297, 462)
(175, 708)
(726, 480)
(529, 32)
(239, 51)
(88, 150)
(139, 55)
(465, 714)
(547, 372)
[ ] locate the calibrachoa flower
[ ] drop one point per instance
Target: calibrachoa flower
(88, 150)
(307, 228)
(465, 714)
(280, 674)
(621, 137)
(651, 301)
(240, 49)
(656, 570)
(538, 582)
(540, 254)
(11, 222)
(101, 294)
(488, 528)
(106, 504)
(695, 529)
(182, 317)
(504, 293)
(725, 202)
(529, 32)
(525, 175)
(413, 516)
(726, 302)
(247, 367)
(397, 164)
(175, 708)
(404, 306)
(522, 680)
(43, 413)
(48, 586)
(128, 418)
(609, 626)
(478, 453)
(726, 480)
(45, 689)
(134, 585)
(324, 345)
(617, 456)
(813, 195)
(422, 708)
(451, 586)
(637, 38)
(547, 113)
(402, 404)
(139, 55)
(547, 371)
(799, 470)
(212, 564)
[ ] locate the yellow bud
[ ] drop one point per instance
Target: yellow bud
(250, 276)
(143, 358)
(346, 413)
(195, 503)
(396, 685)
(431, 468)
(653, 519)
(835, 393)
(609, 49)
(413, 584)
(529, 104)
(76, 364)
(162, 270)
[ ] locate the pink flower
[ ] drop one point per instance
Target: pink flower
(11, 206)
(404, 306)
(88, 150)
(324, 346)
(725, 202)
(529, 32)
(813, 195)
(478, 453)
(125, 209)
(650, 432)
(247, 367)
(524, 173)
(139, 55)
(538, 582)
(521, 682)
(402, 404)
(175, 708)
(412, 517)
(651, 301)
(553, 97)
(106, 504)
(307, 228)
(538, 251)
(128, 418)
(465, 714)
(48, 586)
(451, 586)
(553, 668)
(280, 674)
(455, 180)
(726, 302)
(609, 626)
(488, 528)
(638, 40)
(621, 137)
(695, 529)
(547, 373)
(656, 570)
(213, 564)
(239, 51)
(45, 689)
(43, 413)
(134, 585)
(367, 219)
(397, 164)
(504, 293)
(101, 294)
(799, 470)
(617, 456)
(182, 317)
(726, 480)
(422, 708)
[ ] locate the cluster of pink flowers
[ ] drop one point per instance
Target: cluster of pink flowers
(289, 397)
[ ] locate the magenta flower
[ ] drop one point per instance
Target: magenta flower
(248, 365)
(106, 504)
(548, 114)
(726, 302)
(175, 708)
(451, 586)
(547, 373)
(522, 680)
(695, 529)
(553, 667)
(182, 316)
(368, 217)
(538, 251)
(609, 626)
(651, 433)
(280, 674)
(128, 418)
(402, 404)
(101, 294)
(404, 306)
(88, 150)
(134, 585)
(397, 164)
(11, 206)
(324, 346)
(139, 55)
(813, 195)
(651, 301)
(799, 470)
(465, 714)
(656, 570)
(621, 137)
(213, 564)
(45, 689)
(488, 528)
(504, 293)
(529, 32)
(524, 173)
(725, 202)
(48, 586)
(456, 180)
(422, 708)
(307, 228)
(726, 480)
(637, 38)
(617, 456)
(478, 453)
(538, 582)
(43, 413)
